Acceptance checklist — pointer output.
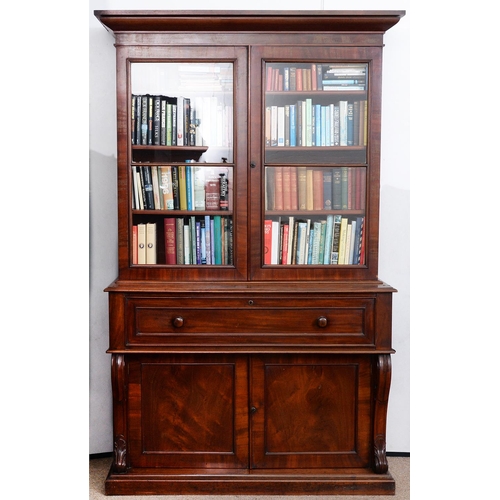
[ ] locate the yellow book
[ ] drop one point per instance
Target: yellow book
(343, 239)
(182, 187)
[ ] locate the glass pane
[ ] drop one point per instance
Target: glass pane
(182, 175)
(314, 215)
(316, 112)
(189, 105)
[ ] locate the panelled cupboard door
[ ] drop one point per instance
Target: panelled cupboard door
(315, 161)
(310, 411)
(188, 411)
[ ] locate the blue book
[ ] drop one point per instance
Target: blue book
(217, 240)
(328, 240)
(293, 128)
(350, 124)
(317, 125)
(189, 184)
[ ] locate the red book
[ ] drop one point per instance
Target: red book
(287, 188)
(170, 240)
(284, 256)
(278, 188)
(317, 190)
(268, 241)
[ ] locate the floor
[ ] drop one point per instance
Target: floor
(399, 467)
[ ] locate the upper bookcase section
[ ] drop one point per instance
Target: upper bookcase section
(374, 21)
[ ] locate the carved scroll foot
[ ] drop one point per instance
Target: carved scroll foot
(120, 455)
(382, 386)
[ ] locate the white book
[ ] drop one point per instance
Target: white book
(351, 246)
(275, 242)
(281, 126)
(151, 243)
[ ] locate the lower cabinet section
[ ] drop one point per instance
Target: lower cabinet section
(250, 423)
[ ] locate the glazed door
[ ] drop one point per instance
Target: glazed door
(315, 162)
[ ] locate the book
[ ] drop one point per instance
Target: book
(156, 133)
(147, 181)
(170, 230)
(212, 192)
(150, 243)
(175, 186)
(182, 187)
(141, 243)
(166, 187)
(337, 219)
(179, 239)
(134, 244)
(327, 254)
(342, 240)
(158, 203)
(268, 227)
(199, 188)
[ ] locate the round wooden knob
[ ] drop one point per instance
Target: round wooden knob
(322, 322)
(178, 321)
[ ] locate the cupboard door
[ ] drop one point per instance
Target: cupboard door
(310, 411)
(188, 411)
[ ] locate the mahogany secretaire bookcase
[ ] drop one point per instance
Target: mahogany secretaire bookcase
(250, 335)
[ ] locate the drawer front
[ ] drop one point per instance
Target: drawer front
(238, 322)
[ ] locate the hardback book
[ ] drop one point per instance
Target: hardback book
(182, 187)
(158, 201)
(281, 126)
(156, 120)
(147, 181)
(189, 188)
(187, 243)
(175, 187)
(350, 124)
(180, 121)
(170, 229)
(317, 189)
(278, 188)
(337, 219)
(150, 103)
(302, 187)
(342, 240)
(217, 239)
(268, 241)
(166, 187)
(275, 238)
(133, 113)
(141, 243)
(327, 189)
(144, 120)
(208, 239)
(327, 254)
(199, 188)
(284, 253)
(309, 189)
(137, 187)
(151, 243)
(287, 187)
(212, 193)
(343, 123)
(134, 244)
(179, 239)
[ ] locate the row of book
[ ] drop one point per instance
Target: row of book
(307, 124)
(333, 241)
(315, 76)
(190, 240)
(308, 188)
(181, 187)
(159, 120)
